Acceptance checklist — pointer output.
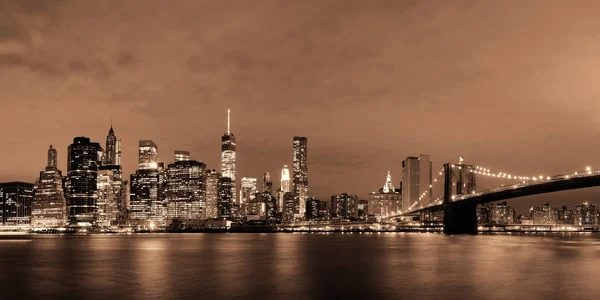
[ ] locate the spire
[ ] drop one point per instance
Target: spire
(111, 131)
(228, 121)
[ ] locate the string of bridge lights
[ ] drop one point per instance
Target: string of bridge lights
(487, 172)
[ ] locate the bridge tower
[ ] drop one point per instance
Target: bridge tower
(459, 217)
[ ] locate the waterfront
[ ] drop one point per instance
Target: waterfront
(300, 266)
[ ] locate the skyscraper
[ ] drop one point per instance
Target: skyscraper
(182, 155)
(267, 183)
(15, 203)
(111, 165)
(108, 199)
(416, 181)
(213, 181)
(148, 155)
(225, 198)
(145, 206)
(84, 157)
(49, 207)
(247, 194)
(300, 183)
(285, 179)
(110, 157)
(186, 190)
(146, 188)
(228, 155)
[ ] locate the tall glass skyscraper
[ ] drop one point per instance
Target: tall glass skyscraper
(228, 155)
(146, 188)
(186, 190)
(84, 158)
(300, 183)
(113, 149)
(285, 179)
(49, 207)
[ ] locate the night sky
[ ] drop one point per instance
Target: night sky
(509, 85)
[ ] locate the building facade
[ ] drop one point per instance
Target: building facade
(226, 208)
(385, 202)
(228, 156)
(147, 155)
(213, 182)
(108, 198)
(15, 203)
(84, 159)
(586, 215)
(416, 180)
(49, 206)
(186, 190)
(344, 206)
(544, 214)
(300, 175)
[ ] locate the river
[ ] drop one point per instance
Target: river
(301, 266)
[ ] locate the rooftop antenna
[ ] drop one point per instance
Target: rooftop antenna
(228, 121)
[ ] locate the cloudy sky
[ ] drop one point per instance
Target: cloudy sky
(510, 85)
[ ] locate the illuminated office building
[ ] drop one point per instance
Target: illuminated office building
(225, 208)
(186, 190)
(84, 158)
(247, 193)
(15, 203)
(108, 199)
(228, 156)
(49, 206)
(148, 155)
(316, 210)
(289, 206)
(300, 174)
(182, 155)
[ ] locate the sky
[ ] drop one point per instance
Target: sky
(509, 85)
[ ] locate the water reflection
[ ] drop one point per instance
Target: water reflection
(301, 266)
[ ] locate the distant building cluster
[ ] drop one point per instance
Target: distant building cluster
(503, 214)
(94, 193)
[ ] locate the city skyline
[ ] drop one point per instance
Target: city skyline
(543, 86)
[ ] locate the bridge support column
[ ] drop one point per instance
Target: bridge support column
(460, 218)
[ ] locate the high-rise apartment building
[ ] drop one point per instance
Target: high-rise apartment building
(228, 155)
(186, 190)
(15, 203)
(416, 181)
(344, 206)
(84, 158)
(300, 173)
(544, 214)
(49, 206)
(586, 215)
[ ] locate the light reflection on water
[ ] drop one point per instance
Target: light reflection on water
(301, 266)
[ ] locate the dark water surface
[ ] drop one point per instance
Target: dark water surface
(301, 266)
